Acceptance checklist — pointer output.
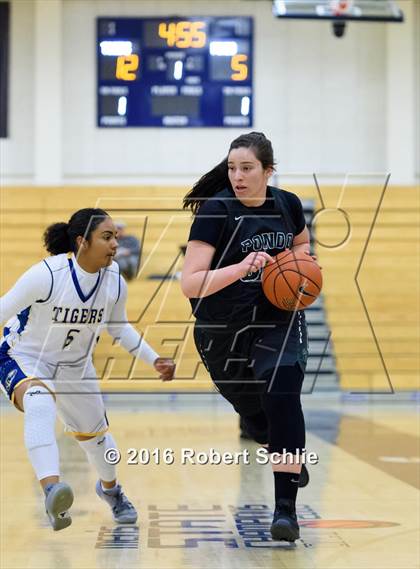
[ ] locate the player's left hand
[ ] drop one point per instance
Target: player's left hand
(165, 367)
(315, 258)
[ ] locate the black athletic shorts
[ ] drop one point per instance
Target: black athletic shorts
(244, 361)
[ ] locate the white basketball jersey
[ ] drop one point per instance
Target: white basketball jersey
(63, 329)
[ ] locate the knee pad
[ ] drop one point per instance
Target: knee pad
(286, 422)
(284, 380)
(39, 417)
(256, 426)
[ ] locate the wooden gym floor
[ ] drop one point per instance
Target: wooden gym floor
(359, 511)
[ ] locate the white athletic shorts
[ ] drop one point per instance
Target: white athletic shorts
(80, 404)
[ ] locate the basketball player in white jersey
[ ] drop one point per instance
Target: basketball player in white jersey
(55, 314)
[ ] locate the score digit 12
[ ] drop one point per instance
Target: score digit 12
(127, 66)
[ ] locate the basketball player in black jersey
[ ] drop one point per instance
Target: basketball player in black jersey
(255, 353)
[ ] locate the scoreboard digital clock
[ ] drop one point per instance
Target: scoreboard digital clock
(174, 72)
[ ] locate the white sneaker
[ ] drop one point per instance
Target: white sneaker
(123, 510)
(58, 499)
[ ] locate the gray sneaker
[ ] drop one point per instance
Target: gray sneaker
(58, 499)
(123, 510)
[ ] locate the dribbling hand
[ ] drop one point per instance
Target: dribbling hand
(165, 367)
(254, 262)
(314, 257)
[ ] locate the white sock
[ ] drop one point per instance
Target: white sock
(95, 449)
(39, 431)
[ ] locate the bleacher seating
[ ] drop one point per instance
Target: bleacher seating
(374, 318)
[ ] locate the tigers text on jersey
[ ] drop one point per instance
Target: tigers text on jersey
(62, 327)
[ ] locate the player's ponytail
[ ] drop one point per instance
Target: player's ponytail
(62, 237)
(218, 179)
(56, 238)
(207, 186)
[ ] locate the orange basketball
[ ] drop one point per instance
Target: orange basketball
(293, 282)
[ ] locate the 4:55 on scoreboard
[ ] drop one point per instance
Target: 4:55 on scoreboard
(174, 72)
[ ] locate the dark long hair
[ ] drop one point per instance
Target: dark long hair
(61, 237)
(217, 179)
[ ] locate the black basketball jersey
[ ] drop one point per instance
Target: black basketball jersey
(236, 230)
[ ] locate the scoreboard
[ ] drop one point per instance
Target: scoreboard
(174, 72)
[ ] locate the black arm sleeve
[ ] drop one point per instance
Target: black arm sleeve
(209, 223)
(296, 210)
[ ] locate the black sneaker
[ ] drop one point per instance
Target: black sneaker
(249, 431)
(243, 430)
(304, 477)
(285, 526)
